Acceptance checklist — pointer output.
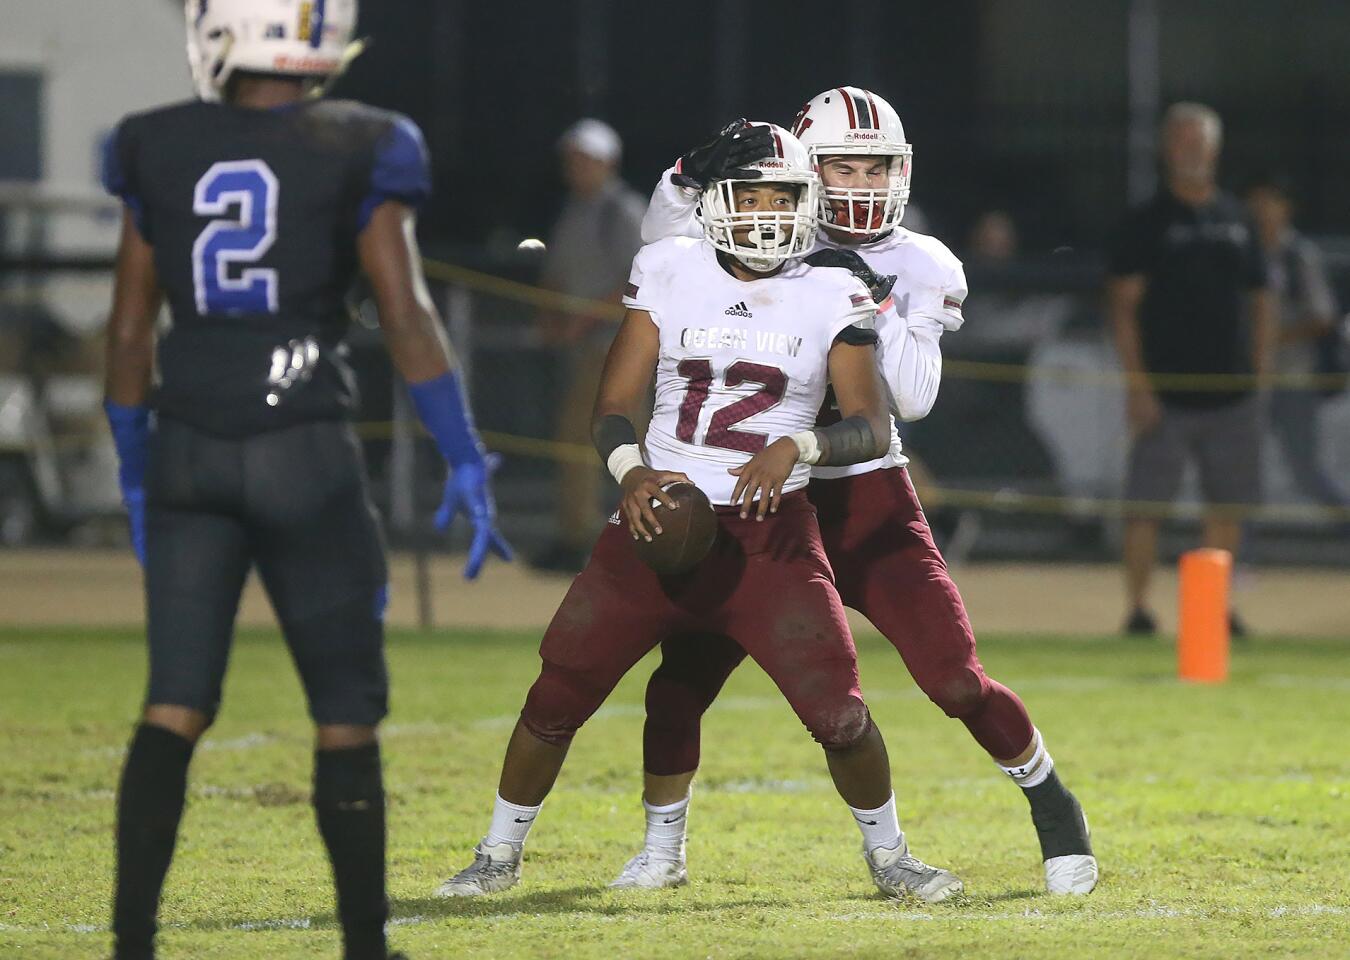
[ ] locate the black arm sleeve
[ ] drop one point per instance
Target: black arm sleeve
(611, 432)
(851, 440)
(856, 336)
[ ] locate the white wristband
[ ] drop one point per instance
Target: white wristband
(623, 459)
(808, 446)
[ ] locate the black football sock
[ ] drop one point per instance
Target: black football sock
(149, 806)
(349, 804)
(1058, 818)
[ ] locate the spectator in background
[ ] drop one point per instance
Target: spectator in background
(589, 255)
(1008, 315)
(1306, 312)
(993, 238)
(1187, 295)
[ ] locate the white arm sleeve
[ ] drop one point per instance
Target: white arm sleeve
(910, 329)
(911, 364)
(671, 212)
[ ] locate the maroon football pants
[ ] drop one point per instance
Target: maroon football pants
(766, 585)
(886, 567)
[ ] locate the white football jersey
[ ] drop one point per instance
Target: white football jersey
(926, 301)
(930, 288)
(742, 363)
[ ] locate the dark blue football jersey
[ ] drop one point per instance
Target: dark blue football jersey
(254, 216)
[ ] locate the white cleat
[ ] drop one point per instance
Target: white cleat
(897, 874)
(1074, 874)
(495, 868)
(645, 872)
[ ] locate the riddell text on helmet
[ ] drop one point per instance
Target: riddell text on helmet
(286, 63)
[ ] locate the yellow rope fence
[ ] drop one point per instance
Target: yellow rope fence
(1001, 501)
(518, 292)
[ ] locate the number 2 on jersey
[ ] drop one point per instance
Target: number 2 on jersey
(773, 384)
(251, 189)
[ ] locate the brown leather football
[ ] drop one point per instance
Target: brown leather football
(687, 534)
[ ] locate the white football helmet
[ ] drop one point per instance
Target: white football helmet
(768, 238)
(296, 38)
(850, 121)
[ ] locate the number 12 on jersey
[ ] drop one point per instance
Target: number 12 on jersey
(699, 373)
(252, 189)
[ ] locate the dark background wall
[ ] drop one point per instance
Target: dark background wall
(1014, 104)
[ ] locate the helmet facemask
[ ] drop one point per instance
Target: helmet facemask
(865, 211)
(854, 124)
(761, 240)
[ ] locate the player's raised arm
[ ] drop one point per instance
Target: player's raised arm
(727, 155)
(623, 392)
(389, 255)
(130, 364)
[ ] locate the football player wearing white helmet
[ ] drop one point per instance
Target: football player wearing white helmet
(763, 240)
(741, 336)
(311, 40)
(886, 564)
(249, 211)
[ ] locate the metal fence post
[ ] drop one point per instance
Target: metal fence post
(1144, 69)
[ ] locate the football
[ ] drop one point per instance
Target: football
(687, 534)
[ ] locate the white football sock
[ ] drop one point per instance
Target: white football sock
(1035, 770)
(510, 823)
(880, 827)
(666, 826)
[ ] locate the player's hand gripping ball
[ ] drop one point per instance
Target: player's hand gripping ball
(672, 521)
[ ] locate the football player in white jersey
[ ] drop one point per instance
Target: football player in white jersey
(743, 339)
(886, 564)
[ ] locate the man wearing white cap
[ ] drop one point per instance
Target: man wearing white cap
(589, 254)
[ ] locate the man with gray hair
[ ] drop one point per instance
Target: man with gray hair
(1187, 301)
(589, 255)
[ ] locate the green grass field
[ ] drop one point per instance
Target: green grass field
(1221, 815)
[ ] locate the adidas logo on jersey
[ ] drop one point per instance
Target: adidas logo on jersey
(738, 310)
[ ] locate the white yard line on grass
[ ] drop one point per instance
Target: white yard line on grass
(1155, 911)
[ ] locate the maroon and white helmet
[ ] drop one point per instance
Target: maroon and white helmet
(851, 121)
(772, 237)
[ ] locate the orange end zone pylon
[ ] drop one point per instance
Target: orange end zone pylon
(1202, 638)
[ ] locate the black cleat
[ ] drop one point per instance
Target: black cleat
(1141, 624)
(1237, 627)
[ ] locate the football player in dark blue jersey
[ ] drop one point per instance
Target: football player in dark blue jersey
(249, 211)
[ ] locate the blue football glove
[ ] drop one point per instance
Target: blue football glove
(131, 435)
(467, 490)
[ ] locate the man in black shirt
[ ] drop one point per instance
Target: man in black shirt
(249, 211)
(1187, 296)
